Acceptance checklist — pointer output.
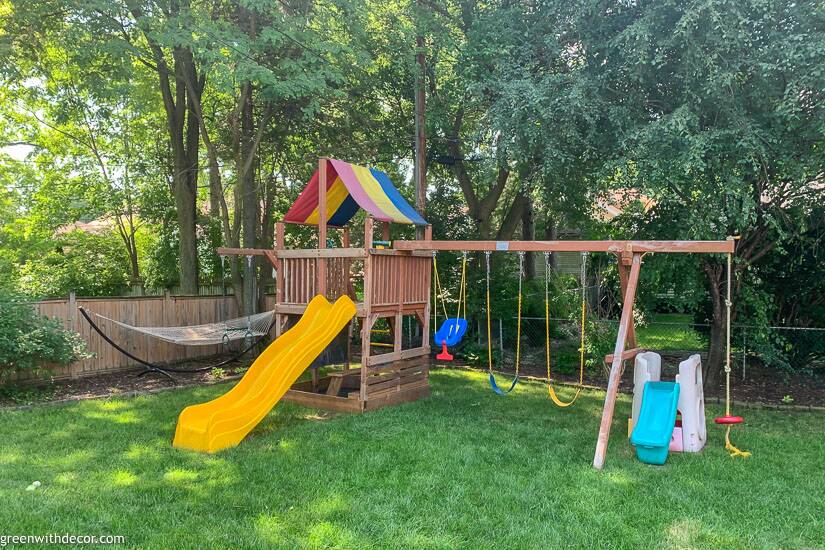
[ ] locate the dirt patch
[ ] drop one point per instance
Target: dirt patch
(761, 385)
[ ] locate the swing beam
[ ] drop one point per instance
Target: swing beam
(629, 254)
(618, 247)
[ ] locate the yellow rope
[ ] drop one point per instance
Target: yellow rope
(730, 447)
(438, 290)
(462, 290)
(550, 391)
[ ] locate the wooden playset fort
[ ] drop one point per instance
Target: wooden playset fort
(394, 280)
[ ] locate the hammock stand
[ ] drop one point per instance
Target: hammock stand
(150, 367)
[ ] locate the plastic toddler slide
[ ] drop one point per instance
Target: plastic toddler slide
(657, 417)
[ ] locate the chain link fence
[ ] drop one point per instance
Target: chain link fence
(789, 349)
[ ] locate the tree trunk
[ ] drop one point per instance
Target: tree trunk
(528, 233)
(185, 199)
(184, 139)
(250, 215)
(551, 233)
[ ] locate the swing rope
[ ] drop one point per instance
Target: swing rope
(730, 447)
(438, 290)
(462, 290)
(583, 276)
(492, 377)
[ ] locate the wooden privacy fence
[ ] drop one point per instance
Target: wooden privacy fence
(164, 310)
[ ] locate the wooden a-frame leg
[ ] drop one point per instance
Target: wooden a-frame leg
(616, 366)
(624, 275)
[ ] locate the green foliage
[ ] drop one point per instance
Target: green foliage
(33, 343)
(713, 109)
(475, 354)
(600, 340)
(82, 262)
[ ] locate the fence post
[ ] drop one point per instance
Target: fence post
(167, 307)
(71, 321)
(71, 312)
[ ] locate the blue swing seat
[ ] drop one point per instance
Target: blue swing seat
(497, 388)
(451, 331)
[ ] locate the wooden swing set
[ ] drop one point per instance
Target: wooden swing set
(396, 282)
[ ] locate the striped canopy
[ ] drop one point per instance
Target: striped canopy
(349, 187)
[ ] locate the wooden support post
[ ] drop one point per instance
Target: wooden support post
(425, 322)
(397, 332)
(280, 280)
(350, 289)
(625, 260)
(366, 324)
(346, 243)
(321, 273)
(419, 166)
(385, 231)
(616, 366)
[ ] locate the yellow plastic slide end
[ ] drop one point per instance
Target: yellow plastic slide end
(225, 421)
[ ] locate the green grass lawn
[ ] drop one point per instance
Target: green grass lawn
(670, 331)
(462, 469)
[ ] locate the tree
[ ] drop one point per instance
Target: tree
(712, 108)
(732, 95)
(163, 27)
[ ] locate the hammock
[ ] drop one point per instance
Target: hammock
(253, 326)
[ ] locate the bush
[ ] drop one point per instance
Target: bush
(32, 343)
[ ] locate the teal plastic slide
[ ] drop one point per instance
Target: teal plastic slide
(652, 432)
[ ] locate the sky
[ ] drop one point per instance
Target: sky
(17, 152)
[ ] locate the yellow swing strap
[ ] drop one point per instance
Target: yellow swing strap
(550, 391)
(730, 447)
(438, 290)
(462, 290)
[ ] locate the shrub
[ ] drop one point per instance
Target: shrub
(32, 343)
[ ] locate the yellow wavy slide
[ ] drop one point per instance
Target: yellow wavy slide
(225, 421)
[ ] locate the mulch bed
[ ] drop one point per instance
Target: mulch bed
(761, 386)
(125, 382)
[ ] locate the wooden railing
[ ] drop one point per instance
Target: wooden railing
(399, 280)
(300, 278)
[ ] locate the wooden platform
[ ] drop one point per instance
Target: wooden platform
(400, 382)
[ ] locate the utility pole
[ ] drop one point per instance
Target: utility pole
(420, 170)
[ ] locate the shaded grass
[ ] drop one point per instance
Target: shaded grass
(461, 469)
(670, 331)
